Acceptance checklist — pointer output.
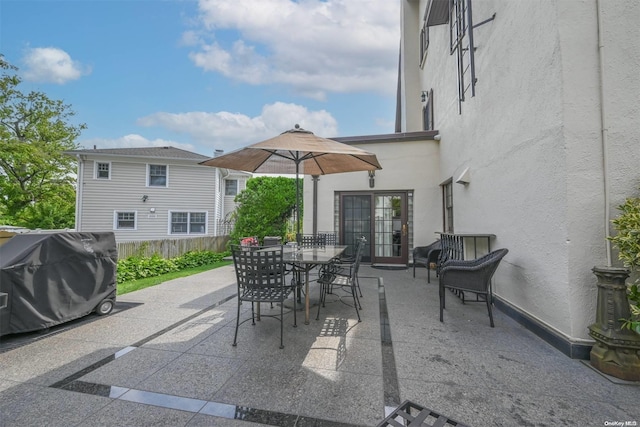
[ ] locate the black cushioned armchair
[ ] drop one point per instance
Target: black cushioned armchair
(470, 276)
(426, 255)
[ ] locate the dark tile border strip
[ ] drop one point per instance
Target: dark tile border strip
(568, 348)
(224, 410)
(389, 373)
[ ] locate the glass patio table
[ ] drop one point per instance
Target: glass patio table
(305, 259)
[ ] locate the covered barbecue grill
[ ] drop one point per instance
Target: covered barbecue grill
(52, 278)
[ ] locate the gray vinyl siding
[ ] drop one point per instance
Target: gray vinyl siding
(192, 187)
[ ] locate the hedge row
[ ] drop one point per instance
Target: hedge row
(134, 268)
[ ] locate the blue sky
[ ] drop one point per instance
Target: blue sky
(209, 74)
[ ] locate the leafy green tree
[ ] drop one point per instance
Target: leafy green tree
(36, 178)
(265, 207)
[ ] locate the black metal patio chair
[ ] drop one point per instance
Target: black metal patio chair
(311, 240)
(470, 276)
(427, 256)
(330, 280)
(346, 263)
(260, 273)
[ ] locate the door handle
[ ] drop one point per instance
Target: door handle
(404, 229)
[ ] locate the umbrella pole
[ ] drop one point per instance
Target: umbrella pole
(297, 201)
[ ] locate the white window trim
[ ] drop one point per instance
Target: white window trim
(237, 187)
(95, 170)
(149, 170)
(189, 212)
(115, 220)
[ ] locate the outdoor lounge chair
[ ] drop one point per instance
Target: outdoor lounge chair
(470, 276)
(427, 256)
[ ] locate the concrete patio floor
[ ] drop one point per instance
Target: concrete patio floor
(165, 359)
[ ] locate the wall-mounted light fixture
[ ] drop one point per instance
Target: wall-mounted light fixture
(464, 178)
(423, 96)
(144, 198)
(372, 179)
(152, 210)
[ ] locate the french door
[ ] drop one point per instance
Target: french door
(381, 217)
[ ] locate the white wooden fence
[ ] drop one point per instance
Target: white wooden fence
(171, 248)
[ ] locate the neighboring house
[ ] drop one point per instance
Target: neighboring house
(515, 118)
(152, 193)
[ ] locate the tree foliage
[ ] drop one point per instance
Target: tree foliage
(265, 207)
(36, 178)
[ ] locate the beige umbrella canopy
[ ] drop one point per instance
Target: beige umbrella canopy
(297, 151)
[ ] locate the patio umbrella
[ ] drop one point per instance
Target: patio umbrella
(297, 151)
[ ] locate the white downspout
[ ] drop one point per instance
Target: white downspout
(604, 132)
(222, 173)
(79, 188)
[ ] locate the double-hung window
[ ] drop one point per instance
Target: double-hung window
(447, 199)
(102, 170)
(188, 223)
(427, 111)
(125, 220)
(231, 187)
(157, 175)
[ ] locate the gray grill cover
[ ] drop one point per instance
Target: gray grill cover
(52, 278)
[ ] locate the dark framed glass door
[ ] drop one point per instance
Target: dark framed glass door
(390, 229)
(356, 222)
(382, 219)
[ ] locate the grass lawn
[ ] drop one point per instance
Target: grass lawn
(135, 285)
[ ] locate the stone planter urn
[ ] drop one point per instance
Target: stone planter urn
(616, 351)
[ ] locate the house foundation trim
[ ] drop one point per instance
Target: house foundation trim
(572, 349)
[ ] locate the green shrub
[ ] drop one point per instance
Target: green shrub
(627, 241)
(137, 267)
(197, 258)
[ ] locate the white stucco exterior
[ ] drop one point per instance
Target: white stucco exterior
(532, 138)
(550, 140)
(411, 166)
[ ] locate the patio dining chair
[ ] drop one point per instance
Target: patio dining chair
(330, 238)
(311, 240)
(347, 263)
(330, 280)
(260, 273)
(470, 276)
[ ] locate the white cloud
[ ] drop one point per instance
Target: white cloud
(51, 65)
(314, 46)
(134, 141)
(229, 131)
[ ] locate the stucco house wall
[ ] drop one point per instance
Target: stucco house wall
(407, 165)
(532, 140)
